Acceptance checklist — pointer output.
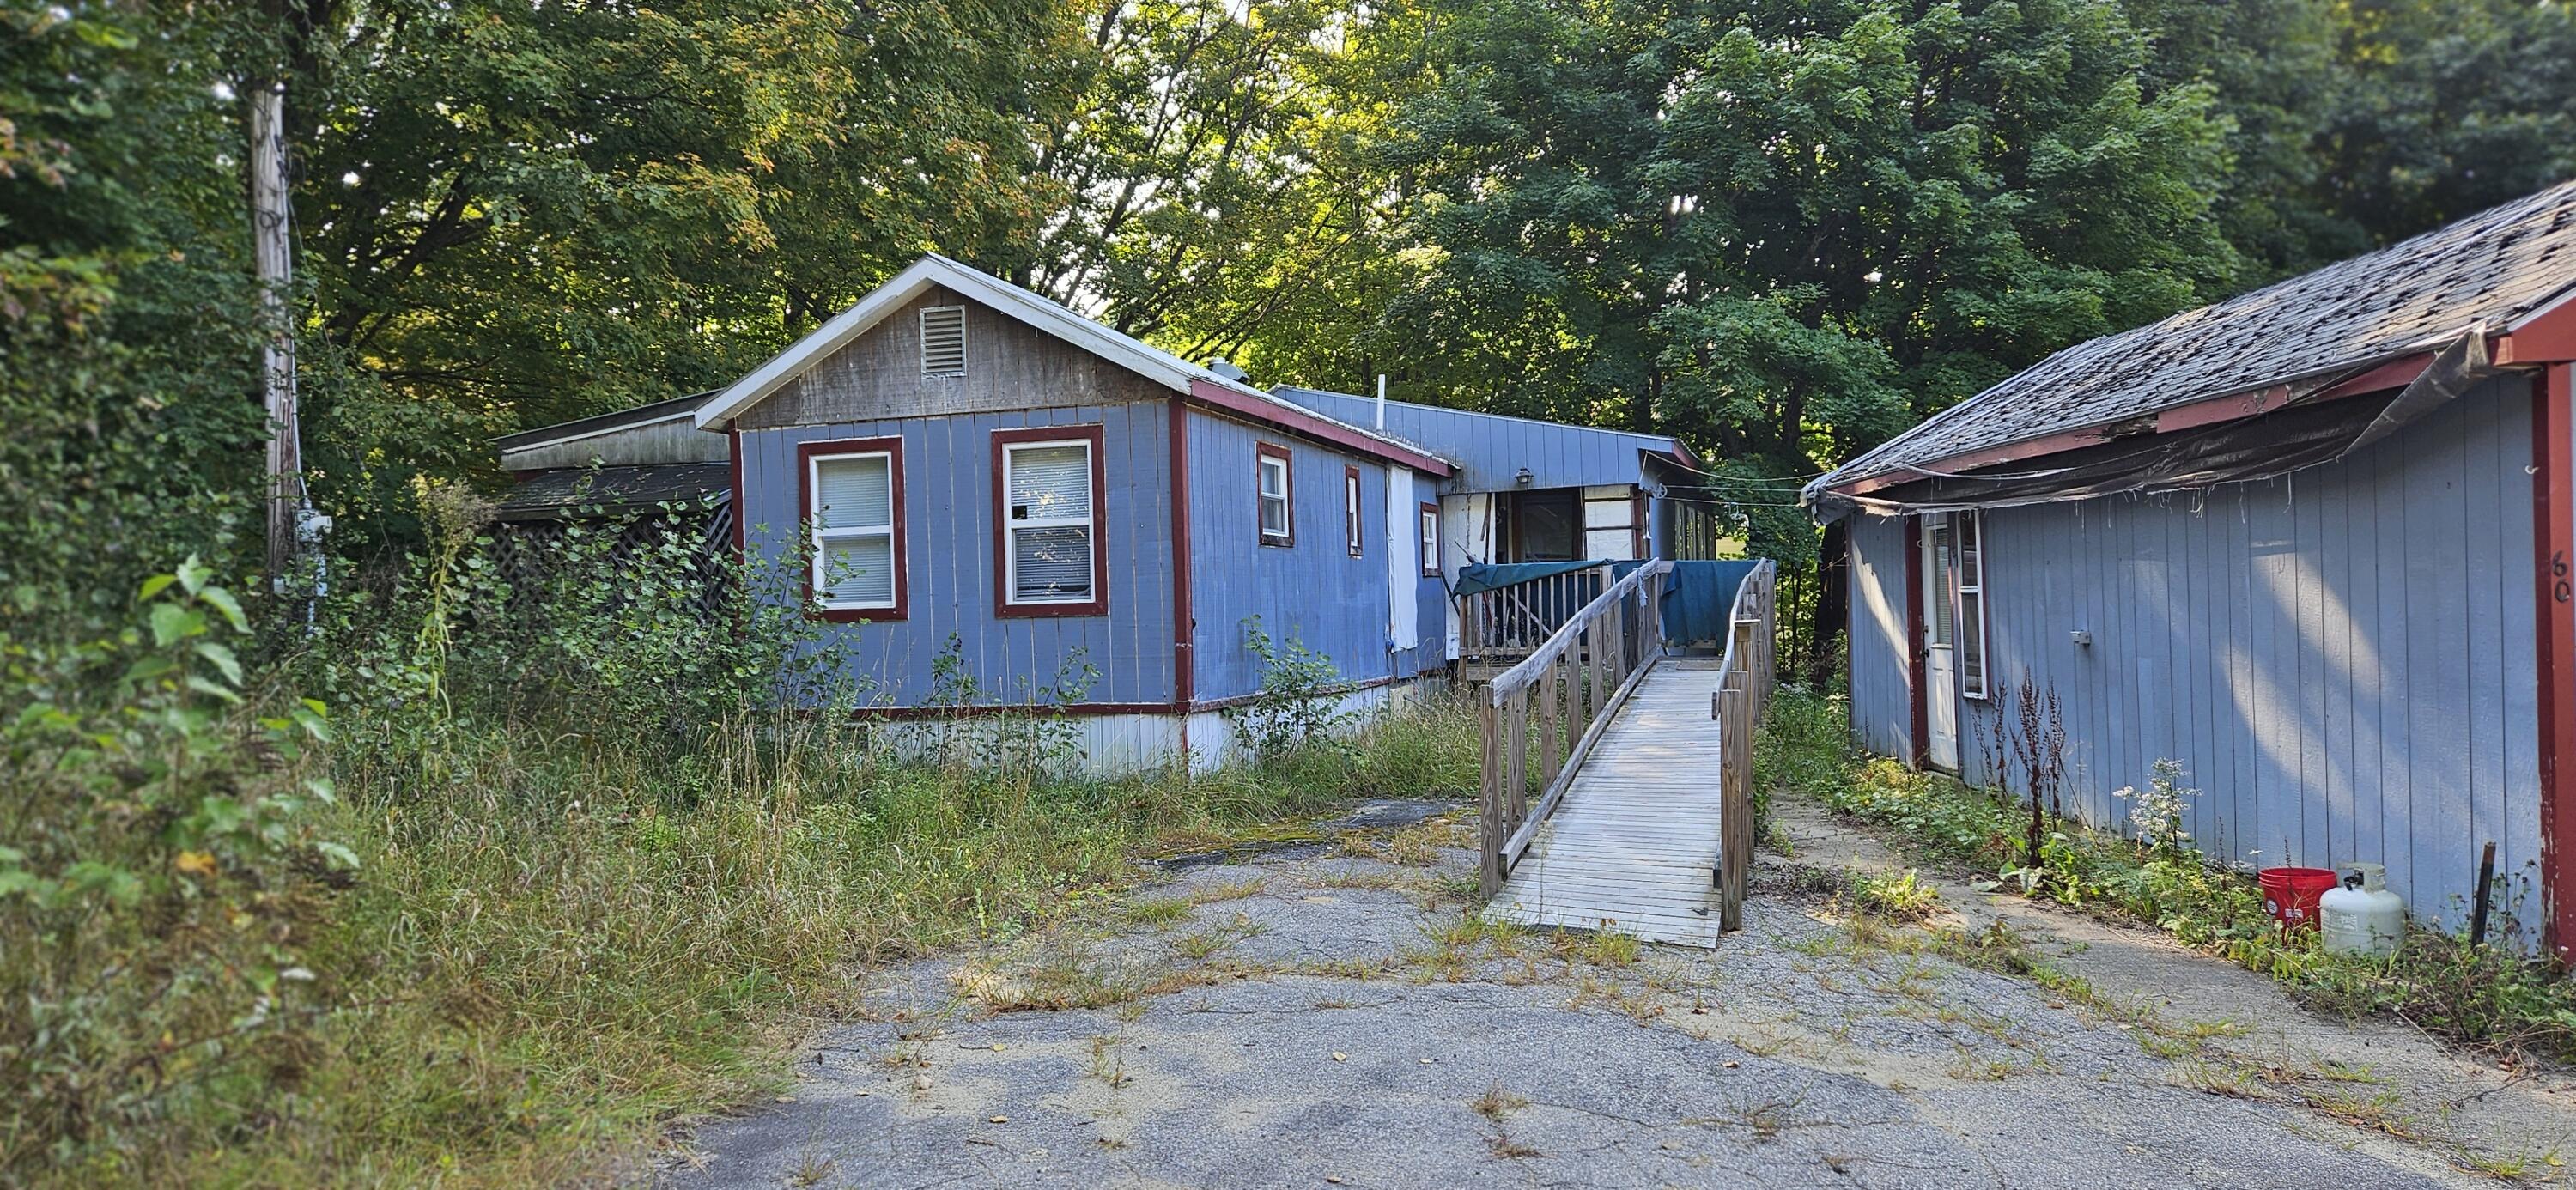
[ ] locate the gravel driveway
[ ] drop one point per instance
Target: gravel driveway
(1328, 1015)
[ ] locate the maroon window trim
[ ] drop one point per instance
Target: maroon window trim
(806, 453)
(1430, 557)
(1351, 518)
(1288, 468)
(1099, 603)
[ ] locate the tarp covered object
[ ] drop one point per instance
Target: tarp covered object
(1487, 576)
(1699, 596)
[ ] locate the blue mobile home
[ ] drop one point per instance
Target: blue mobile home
(2311, 542)
(981, 473)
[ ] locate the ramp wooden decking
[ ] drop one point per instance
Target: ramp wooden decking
(1632, 845)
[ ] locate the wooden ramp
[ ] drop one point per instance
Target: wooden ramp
(1632, 845)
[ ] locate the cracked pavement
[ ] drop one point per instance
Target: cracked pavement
(1322, 1017)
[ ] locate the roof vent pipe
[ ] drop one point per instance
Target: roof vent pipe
(1225, 367)
(1381, 402)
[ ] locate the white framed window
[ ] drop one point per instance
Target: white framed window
(943, 340)
(1430, 539)
(1050, 542)
(1968, 537)
(1351, 507)
(1278, 494)
(854, 511)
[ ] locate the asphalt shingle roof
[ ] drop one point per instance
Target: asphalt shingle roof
(2491, 268)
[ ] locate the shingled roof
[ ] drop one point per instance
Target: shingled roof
(2488, 270)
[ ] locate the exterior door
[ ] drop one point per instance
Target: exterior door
(1940, 693)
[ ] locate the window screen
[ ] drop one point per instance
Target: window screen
(1047, 522)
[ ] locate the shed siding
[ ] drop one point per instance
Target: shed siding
(1313, 592)
(1881, 694)
(2342, 660)
(948, 507)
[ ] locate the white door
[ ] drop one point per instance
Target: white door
(1940, 571)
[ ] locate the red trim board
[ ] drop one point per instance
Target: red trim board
(2553, 496)
(1918, 740)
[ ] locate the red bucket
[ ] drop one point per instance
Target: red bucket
(2290, 894)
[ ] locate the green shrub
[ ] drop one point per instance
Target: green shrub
(166, 872)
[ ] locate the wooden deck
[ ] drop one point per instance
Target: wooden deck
(1632, 845)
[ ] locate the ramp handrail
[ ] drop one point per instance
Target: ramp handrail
(1511, 618)
(1746, 676)
(1578, 676)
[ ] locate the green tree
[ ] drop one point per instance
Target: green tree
(127, 376)
(1787, 232)
(517, 212)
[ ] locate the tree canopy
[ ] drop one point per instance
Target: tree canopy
(1782, 230)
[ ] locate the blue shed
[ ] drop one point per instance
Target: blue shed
(983, 474)
(2311, 542)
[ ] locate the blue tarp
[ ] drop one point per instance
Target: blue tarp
(1697, 595)
(1487, 576)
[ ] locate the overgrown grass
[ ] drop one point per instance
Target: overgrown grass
(491, 941)
(546, 954)
(2485, 996)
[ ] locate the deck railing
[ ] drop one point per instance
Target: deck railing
(1567, 688)
(1745, 681)
(1518, 618)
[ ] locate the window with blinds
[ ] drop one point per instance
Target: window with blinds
(850, 503)
(943, 341)
(1048, 523)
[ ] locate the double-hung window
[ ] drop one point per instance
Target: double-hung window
(1277, 492)
(1351, 507)
(853, 491)
(1047, 485)
(1430, 539)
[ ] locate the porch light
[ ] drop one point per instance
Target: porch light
(1523, 477)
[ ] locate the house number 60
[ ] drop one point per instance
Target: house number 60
(2558, 568)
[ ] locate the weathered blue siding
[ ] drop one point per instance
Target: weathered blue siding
(1314, 591)
(1490, 449)
(948, 508)
(1430, 597)
(2342, 660)
(1882, 694)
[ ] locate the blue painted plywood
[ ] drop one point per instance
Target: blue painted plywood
(2342, 659)
(1313, 591)
(1881, 693)
(948, 495)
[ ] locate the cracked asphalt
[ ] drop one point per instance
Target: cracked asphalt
(1327, 1017)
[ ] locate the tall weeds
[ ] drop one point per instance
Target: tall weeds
(581, 854)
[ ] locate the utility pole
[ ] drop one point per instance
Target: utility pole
(274, 252)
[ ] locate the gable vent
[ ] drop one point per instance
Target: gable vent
(943, 341)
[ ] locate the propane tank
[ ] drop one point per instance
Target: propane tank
(2362, 916)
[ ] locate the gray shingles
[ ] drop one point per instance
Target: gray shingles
(2489, 269)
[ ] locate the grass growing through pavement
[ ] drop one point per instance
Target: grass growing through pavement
(2484, 996)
